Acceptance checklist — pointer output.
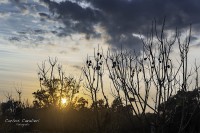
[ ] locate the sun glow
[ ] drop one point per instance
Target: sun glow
(63, 100)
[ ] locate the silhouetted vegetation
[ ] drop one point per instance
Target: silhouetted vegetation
(151, 93)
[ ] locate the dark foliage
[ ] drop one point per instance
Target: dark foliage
(116, 119)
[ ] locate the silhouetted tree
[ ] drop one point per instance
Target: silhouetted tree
(54, 86)
(11, 108)
(93, 72)
(81, 103)
(147, 80)
(117, 105)
(174, 109)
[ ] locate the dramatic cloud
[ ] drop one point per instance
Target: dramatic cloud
(27, 22)
(121, 18)
(116, 21)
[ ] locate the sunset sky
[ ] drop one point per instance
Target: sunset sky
(33, 30)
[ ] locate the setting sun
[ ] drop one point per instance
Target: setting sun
(63, 100)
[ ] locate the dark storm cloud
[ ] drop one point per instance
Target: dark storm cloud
(121, 18)
(137, 14)
(76, 18)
